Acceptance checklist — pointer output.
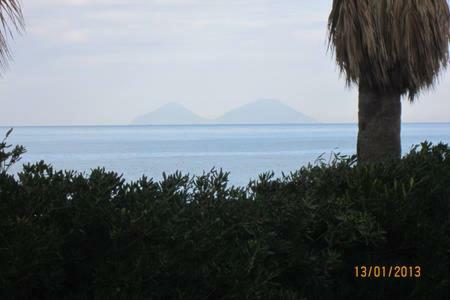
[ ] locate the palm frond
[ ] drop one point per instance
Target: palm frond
(11, 18)
(391, 45)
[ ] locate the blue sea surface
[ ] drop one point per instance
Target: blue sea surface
(243, 150)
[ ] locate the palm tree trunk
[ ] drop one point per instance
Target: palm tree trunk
(379, 125)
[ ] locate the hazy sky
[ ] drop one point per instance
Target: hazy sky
(107, 61)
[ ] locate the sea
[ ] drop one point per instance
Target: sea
(243, 150)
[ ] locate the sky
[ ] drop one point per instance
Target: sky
(104, 62)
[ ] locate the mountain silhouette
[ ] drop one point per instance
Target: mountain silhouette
(264, 111)
(171, 113)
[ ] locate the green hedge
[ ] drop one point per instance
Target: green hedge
(64, 235)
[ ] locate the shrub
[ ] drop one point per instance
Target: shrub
(64, 235)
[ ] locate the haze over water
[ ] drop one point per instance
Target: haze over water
(243, 150)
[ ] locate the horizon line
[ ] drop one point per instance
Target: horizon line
(206, 124)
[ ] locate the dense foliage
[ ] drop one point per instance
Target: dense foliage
(65, 235)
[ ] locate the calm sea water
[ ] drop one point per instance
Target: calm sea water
(243, 150)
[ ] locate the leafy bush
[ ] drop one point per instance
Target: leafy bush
(8, 158)
(64, 235)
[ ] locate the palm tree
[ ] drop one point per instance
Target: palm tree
(388, 48)
(11, 18)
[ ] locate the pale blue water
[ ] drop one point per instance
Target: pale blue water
(243, 150)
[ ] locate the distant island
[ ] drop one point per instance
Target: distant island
(259, 112)
(171, 113)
